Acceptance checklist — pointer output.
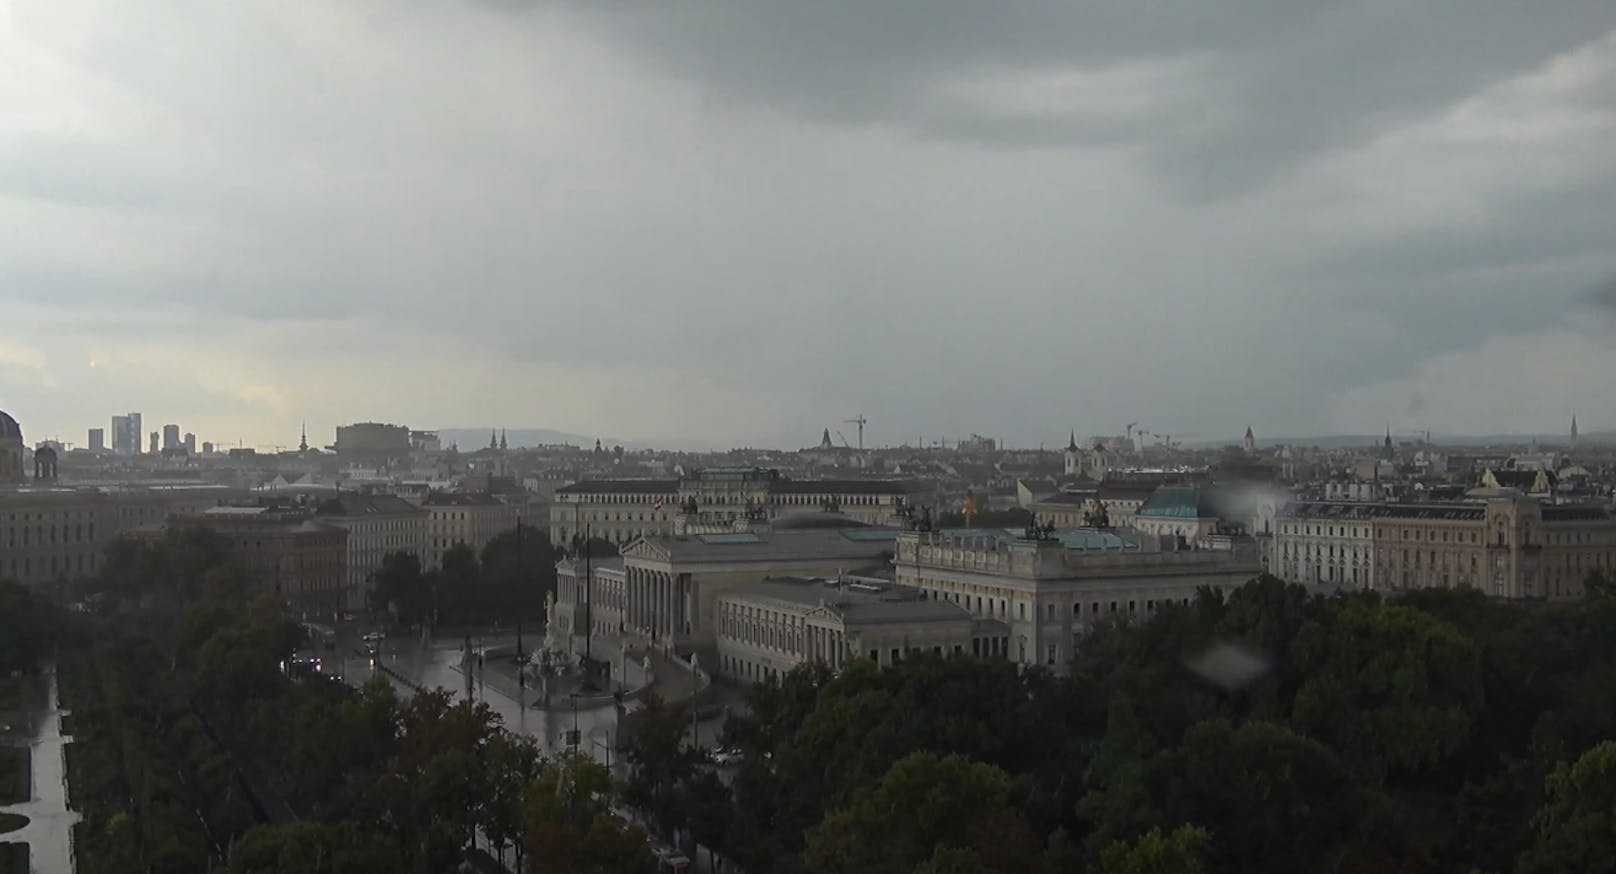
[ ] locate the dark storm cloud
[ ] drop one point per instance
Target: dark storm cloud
(1267, 84)
(641, 217)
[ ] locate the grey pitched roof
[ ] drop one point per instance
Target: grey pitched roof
(810, 543)
(354, 504)
(621, 486)
(857, 603)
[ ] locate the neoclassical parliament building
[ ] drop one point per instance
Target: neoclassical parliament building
(622, 510)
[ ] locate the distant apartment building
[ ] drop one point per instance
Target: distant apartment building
(50, 535)
(189, 443)
(155, 446)
(377, 525)
(98, 440)
(621, 510)
(471, 518)
(171, 437)
(1505, 544)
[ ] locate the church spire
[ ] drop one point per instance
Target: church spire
(1573, 427)
(1071, 443)
(493, 439)
(303, 442)
(502, 444)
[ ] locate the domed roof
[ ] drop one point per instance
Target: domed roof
(810, 520)
(9, 429)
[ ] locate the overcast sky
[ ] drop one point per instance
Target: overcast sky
(739, 222)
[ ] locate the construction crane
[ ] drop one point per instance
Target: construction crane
(843, 438)
(860, 423)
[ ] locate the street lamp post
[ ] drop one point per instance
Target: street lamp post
(521, 578)
(695, 688)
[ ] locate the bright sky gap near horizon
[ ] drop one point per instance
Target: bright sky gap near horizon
(733, 222)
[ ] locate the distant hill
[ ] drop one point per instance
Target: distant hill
(1337, 441)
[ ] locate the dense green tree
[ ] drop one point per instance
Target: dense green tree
(513, 762)
(1182, 851)
(25, 627)
(569, 826)
(315, 848)
(1265, 616)
(952, 860)
(658, 759)
(1391, 688)
(924, 802)
(1576, 827)
(400, 589)
(1599, 583)
(1273, 800)
(708, 810)
(518, 573)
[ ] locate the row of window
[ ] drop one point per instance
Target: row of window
(42, 535)
(997, 608)
(27, 566)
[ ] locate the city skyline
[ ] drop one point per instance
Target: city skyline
(643, 227)
(526, 437)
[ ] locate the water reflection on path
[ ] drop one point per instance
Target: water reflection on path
(49, 832)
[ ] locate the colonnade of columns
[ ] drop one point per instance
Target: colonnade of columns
(657, 602)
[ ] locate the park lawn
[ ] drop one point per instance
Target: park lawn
(15, 777)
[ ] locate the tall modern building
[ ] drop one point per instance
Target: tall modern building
(190, 444)
(154, 443)
(207, 448)
(171, 436)
(98, 440)
(126, 434)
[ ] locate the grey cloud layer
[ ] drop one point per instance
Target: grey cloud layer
(955, 216)
(1243, 89)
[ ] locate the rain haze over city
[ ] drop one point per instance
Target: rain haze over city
(915, 437)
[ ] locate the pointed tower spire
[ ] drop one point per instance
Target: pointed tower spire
(303, 442)
(824, 441)
(1573, 427)
(1071, 444)
(493, 439)
(502, 444)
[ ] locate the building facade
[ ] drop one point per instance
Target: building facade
(622, 510)
(13, 451)
(470, 518)
(50, 535)
(665, 589)
(767, 628)
(377, 525)
(1050, 589)
(1505, 544)
(286, 554)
